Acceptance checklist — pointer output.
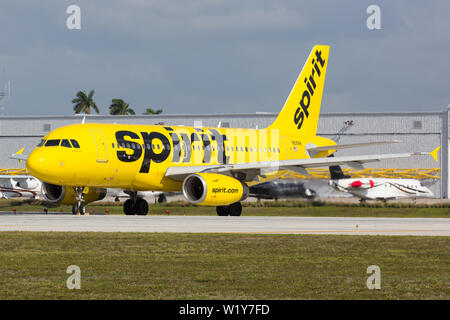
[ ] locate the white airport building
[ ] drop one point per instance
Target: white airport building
(417, 131)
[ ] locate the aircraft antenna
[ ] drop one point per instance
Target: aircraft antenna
(347, 125)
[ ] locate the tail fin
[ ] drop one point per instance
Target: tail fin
(300, 113)
(336, 173)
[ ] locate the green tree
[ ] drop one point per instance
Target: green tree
(84, 103)
(120, 107)
(151, 111)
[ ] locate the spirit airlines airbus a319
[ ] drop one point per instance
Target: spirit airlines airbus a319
(211, 166)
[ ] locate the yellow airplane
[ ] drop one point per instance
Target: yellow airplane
(211, 166)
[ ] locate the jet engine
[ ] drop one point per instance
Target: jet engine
(66, 195)
(212, 189)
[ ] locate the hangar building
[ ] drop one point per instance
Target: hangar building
(417, 131)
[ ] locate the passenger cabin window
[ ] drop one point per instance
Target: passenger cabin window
(52, 143)
(75, 143)
(66, 143)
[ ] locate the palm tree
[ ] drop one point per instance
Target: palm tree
(84, 103)
(151, 111)
(118, 106)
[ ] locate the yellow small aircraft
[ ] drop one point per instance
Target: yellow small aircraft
(211, 166)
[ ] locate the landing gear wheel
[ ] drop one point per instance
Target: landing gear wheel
(128, 207)
(141, 207)
(235, 209)
(78, 209)
(75, 208)
(223, 211)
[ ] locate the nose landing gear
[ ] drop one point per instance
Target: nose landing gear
(79, 207)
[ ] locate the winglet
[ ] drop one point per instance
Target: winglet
(20, 152)
(19, 155)
(434, 153)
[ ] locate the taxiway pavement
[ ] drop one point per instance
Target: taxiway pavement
(213, 224)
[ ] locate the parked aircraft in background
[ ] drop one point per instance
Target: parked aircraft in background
(26, 186)
(19, 186)
(382, 189)
(282, 188)
(211, 166)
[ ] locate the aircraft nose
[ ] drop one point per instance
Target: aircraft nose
(36, 164)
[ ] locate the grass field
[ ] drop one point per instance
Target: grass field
(281, 208)
(218, 266)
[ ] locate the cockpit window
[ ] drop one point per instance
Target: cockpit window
(66, 143)
(41, 143)
(75, 143)
(52, 143)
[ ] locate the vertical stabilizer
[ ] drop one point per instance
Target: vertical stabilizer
(300, 113)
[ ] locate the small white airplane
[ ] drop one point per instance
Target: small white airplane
(382, 189)
(20, 186)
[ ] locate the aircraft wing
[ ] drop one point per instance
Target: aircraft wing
(350, 145)
(296, 165)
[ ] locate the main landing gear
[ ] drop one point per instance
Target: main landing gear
(234, 209)
(135, 205)
(79, 207)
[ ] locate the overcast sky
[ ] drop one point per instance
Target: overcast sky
(230, 56)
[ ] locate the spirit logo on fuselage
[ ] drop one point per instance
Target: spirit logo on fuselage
(308, 93)
(148, 147)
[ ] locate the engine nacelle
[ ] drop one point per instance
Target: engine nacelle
(66, 195)
(213, 189)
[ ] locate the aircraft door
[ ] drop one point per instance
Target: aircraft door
(102, 151)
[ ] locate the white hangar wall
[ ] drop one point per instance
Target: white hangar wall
(422, 131)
